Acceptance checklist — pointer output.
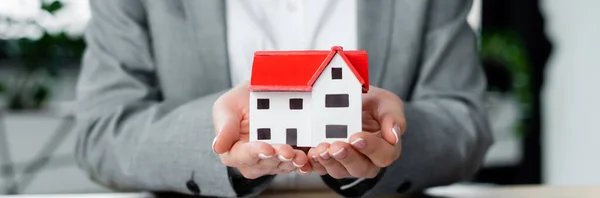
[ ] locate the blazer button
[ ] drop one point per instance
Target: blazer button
(404, 187)
(193, 187)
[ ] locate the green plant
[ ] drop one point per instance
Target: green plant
(38, 64)
(1, 88)
(504, 48)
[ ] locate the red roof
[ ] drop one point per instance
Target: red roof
(298, 70)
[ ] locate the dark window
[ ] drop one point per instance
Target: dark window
(291, 137)
(296, 103)
(336, 73)
(262, 103)
(336, 131)
(264, 133)
(336, 100)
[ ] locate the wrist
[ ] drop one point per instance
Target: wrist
(352, 187)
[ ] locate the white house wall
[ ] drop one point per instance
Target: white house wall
(279, 117)
(321, 116)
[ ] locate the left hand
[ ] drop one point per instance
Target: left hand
(378, 146)
(252, 159)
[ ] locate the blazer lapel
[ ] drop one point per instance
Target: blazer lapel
(207, 18)
(374, 34)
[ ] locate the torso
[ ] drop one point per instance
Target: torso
(191, 52)
(286, 25)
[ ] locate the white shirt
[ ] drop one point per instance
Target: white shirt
(287, 25)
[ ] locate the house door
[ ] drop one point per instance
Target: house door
(291, 137)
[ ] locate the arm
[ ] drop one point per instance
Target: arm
(130, 137)
(447, 134)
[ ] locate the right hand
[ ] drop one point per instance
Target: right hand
(252, 159)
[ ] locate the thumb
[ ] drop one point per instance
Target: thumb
(227, 128)
(392, 123)
(391, 129)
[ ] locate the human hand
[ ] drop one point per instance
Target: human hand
(252, 159)
(378, 146)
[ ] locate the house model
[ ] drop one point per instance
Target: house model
(303, 98)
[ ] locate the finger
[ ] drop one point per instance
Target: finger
(226, 120)
(245, 125)
(303, 149)
(244, 154)
(378, 150)
(392, 121)
(369, 123)
(355, 163)
(332, 166)
(313, 154)
(304, 170)
(281, 171)
(268, 165)
(285, 153)
(286, 167)
(252, 173)
(300, 159)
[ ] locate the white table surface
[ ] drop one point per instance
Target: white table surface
(102, 195)
(454, 191)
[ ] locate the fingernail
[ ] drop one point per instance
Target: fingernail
(396, 131)
(325, 155)
(302, 171)
(297, 165)
(283, 159)
(263, 156)
(216, 138)
(340, 154)
(314, 159)
(359, 143)
(213, 144)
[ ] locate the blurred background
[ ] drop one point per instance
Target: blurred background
(539, 57)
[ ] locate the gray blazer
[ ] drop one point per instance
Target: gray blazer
(153, 69)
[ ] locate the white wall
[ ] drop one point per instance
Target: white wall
(352, 116)
(572, 93)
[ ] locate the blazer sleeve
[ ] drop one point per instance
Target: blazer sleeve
(447, 132)
(129, 136)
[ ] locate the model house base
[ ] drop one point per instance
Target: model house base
(303, 98)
